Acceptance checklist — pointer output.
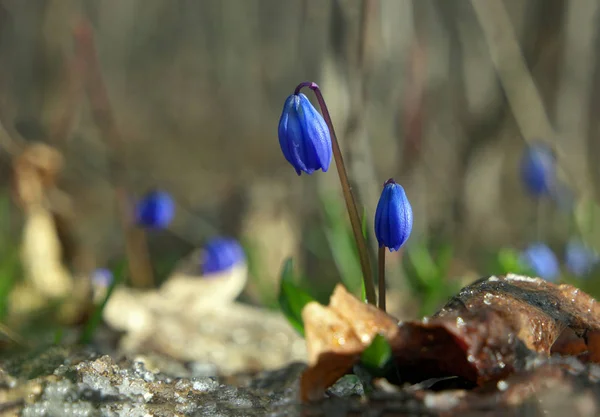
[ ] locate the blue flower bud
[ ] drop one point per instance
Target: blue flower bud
(304, 136)
(538, 169)
(542, 261)
(220, 254)
(155, 210)
(394, 216)
(579, 258)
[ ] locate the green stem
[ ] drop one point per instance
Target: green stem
(361, 243)
(381, 265)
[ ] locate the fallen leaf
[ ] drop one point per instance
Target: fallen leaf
(488, 332)
(35, 169)
(41, 255)
(335, 337)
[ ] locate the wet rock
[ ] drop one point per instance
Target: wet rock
(62, 381)
(102, 387)
(347, 386)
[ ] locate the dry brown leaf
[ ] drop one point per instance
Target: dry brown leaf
(486, 333)
(35, 170)
(35, 173)
(335, 337)
(41, 255)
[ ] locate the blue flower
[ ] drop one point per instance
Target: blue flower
(579, 258)
(394, 216)
(542, 261)
(155, 210)
(304, 136)
(220, 254)
(102, 277)
(538, 169)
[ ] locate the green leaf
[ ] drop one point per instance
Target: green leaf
(96, 317)
(509, 261)
(363, 224)
(587, 215)
(58, 335)
(292, 298)
(377, 356)
(267, 293)
(444, 259)
(9, 271)
(425, 268)
(342, 245)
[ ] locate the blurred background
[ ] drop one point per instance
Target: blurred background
(185, 96)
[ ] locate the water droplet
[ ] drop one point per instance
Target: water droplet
(471, 358)
(502, 385)
(487, 299)
(460, 322)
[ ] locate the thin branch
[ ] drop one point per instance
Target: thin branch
(136, 245)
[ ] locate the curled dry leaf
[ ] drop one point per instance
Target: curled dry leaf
(335, 337)
(41, 255)
(35, 174)
(489, 331)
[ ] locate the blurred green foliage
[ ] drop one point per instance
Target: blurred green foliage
(292, 298)
(119, 274)
(10, 264)
(427, 275)
(342, 244)
(377, 357)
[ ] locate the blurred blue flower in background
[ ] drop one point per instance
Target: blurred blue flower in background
(102, 277)
(579, 258)
(220, 254)
(155, 210)
(542, 261)
(538, 169)
(394, 216)
(304, 136)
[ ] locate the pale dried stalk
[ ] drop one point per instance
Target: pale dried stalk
(575, 86)
(521, 92)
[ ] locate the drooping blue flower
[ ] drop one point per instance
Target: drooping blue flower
(538, 169)
(394, 216)
(102, 277)
(155, 210)
(304, 136)
(542, 261)
(220, 254)
(579, 258)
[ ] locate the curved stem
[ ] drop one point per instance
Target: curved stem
(361, 244)
(381, 265)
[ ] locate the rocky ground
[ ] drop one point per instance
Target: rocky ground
(68, 382)
(507, 371)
